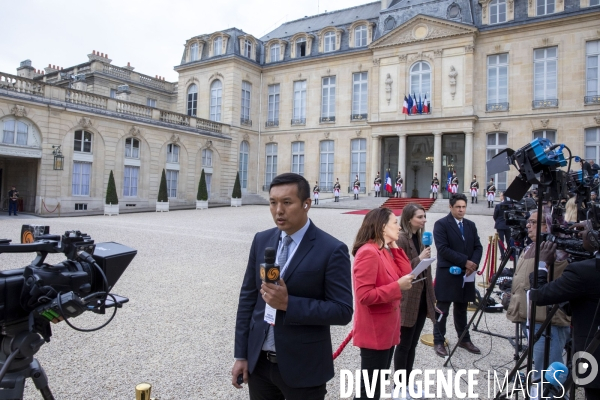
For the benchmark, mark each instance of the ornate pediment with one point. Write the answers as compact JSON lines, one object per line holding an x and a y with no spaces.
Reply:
{"x":422,"y":28}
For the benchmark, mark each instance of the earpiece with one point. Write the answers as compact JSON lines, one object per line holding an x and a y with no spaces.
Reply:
{"x":306,"y":205}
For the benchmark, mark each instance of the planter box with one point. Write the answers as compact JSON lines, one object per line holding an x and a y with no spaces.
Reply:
{"x":236,"y":202}
{"x":111,"y":209}
{"x":162,"y":206}
{"x":201,"y":204}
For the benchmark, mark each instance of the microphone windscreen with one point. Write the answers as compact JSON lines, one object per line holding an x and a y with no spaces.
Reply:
{"x":427,"y":238}
{"x":556,"y":374}
{"x":270,"y":253}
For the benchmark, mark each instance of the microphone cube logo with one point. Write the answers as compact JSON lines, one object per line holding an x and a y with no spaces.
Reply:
{"x":585,"y":368}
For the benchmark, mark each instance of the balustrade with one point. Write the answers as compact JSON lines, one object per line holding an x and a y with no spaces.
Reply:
{"x":21,"y":85}
{"x":85,"y":98}
{"x":117,"y":71}
{"x":134,"y":109}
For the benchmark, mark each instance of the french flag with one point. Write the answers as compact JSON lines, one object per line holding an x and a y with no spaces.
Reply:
{"x":410,"y":105}
{"x":388,"y":182}
{"x":414,"y":109}
{"x":405,"y":106}
{"x":420,"y":105}
{"x":425,"y":106}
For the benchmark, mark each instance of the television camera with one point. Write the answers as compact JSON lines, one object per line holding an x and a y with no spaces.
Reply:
{"x":38,"y":294}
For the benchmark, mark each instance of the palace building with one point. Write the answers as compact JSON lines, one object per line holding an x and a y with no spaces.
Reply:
{"x":327,"y":96}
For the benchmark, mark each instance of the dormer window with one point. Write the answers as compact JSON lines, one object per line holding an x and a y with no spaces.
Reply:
{"x":218,"y":46}
{"x":247,"y":48}
{"x":275,"y":52}
{"x":360,"y":36}
{"x":194,"y":52}
{"x":301,"y":47}
{"x":360,"y":33}
{"x":329,"y":42}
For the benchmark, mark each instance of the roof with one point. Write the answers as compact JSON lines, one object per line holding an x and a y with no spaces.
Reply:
{"x":320,"y":21}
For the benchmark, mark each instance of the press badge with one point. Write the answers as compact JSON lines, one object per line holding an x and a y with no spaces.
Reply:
{"x":270,"y":314}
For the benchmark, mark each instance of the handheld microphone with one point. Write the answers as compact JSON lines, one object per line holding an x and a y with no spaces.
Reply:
{"x":454,"y":270}
{"x":427,"y":239}
{"x":556,"y":375}
{"x":269,"y":271}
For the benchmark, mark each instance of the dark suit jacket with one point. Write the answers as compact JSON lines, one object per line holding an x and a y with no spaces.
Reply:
{"x":579,"y":284}
{"x":499,"y":216}
{"x":452,"y":250}
{"x":318,"y":281}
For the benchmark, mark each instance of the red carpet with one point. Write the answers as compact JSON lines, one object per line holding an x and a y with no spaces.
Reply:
{"x":397,"y":204}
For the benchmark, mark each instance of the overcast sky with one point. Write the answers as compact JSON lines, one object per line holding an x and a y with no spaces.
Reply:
{"x":149,"y":34}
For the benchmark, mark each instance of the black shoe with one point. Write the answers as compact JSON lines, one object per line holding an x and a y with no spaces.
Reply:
{"x":440,"y":350}
{"x":470,"y":347}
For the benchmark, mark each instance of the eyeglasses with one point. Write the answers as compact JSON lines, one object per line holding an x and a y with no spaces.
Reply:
{"x":533,"y":222}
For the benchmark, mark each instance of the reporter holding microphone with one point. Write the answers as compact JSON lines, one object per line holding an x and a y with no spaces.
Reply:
{"x":418,"y":303}
{"x":381,"y":271}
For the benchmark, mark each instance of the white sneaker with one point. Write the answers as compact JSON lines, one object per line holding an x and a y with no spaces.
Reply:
{"x":419,"y":393}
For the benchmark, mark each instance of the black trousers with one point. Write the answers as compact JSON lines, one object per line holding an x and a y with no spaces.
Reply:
{"x":460,"y":321}
{"x":371,"y":360}
{"x":504,"y":235}
{"x":592,"y":394}
{"x":404,"y":355}
{"x":265,"y":383}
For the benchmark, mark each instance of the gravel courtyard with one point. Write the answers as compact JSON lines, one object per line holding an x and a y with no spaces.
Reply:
{"x":177,"y":330}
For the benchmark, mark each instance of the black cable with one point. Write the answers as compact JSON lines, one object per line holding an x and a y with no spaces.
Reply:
{"x":7,"y":363}
{"x":91,"y":329}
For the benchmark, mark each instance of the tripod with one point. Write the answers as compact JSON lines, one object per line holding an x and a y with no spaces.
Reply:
{"x":512,"y":252}
{"x":18,"y":364}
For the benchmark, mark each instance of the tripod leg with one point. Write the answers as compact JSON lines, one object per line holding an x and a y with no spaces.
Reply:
{"x":40,"y":379}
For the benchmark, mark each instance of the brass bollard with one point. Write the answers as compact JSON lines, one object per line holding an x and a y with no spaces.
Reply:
{"x":142,"y":391}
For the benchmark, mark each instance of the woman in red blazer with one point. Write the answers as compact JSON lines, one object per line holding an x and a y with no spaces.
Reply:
{"x":381,"y":271}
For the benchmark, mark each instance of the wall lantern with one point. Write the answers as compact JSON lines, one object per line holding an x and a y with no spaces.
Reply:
{"x":59,"y":159}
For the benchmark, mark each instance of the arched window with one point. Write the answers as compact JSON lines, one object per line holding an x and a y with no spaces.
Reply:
{"x":207,"y":157}
{"x":15,"y":132}
{"x":298,"y":158}
{"x":82,"y":142}
{"x":216,"y":93}
{"x":329,"y":42}
{"x":497,"y":11}
{"x":360,"y":36}
{"x":173,"y":153}
{"x":271,"y":163}
{"x":358,"y":162}
{"x":192,"y":100}
{"x":247,"y":48}
{"x":194,"y":52}
{"x":132,"y":148}
{"x":420,"y":79}
{"x":243,"y":164}
{"x":546,"y":134}
{"x":301,"y":47}
{"x":218,"y":46}
{"x":275,"y":52}
{"x":326,"y":166}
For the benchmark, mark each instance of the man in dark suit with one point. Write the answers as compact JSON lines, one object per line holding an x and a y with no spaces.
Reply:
{"x":500,"y":223}
{"x":292,"y":359}
{"x":458,"y":245}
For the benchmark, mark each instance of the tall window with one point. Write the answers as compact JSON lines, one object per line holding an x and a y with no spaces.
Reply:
{"x":544,"y":7}
{"x":130,"y":181}
{"x":132,"y":148}
{"x":207,"y":158}
{"x":497,"y":84}
{"x":594,"y":3}
{"x":151,"y":102}
{"x":592,"y":144}
{"x":299,"y":116}
{"x":208,"y":178}
{"x":9,"y":132}
{"x":81,"y":178}
{"x":497,"y":11}
{"x":246,"y":91}
{"x":82,"y":142}
{"x":420,"y":79}
{"x":216,"y":93}
{"x":328,"y":99}
{"x":243,"y":164}
{"x":359,"y":95}
{"x":592,"y":87}
{"x":298,"y":158}
{"x":172,"y":153}
{"x":546,"y":134}
{"x":496,"y":142}
{"x":273,"y":113}
{"x":545,"y":70}
{"x":194,"y":52}
{"x":218,"y":46}
{"x":358,"y":161}
{"x":360,"y":36}
{"x":329,"y":44}
{"x":326,"y":166}
{"x":271,"y":163}
{"x":113,"y":93}
{"x":275,"y":52}
{"x":192,"y":100}
{"x":301,"y":47}
{"x":172,"y":177}
{"x":247,"y":48}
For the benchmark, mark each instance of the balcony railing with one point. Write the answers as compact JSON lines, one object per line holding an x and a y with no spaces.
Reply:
{"x":246,"y":121}
{"x":21,"y":85}
{"x":548,"y":103}
{"x":326,"y":189}
{"x":325,"y":120}
{"x":138,"y":110}
{"x":491,"y":107}
{"x":359,"y":117}
{"x":117,"y":71}
{"x":85,"y":99}
{"x":299,"y":121}
{"x":592,"y":99}
{"x":271,"y":123}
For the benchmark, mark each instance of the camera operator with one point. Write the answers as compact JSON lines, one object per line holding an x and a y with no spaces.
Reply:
{"x":517,"y":308}
{"x":499,"y":222}
{"x":580,"y":286}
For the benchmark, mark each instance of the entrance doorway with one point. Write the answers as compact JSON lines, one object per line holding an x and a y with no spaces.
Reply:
{"x":453,"y":159}
{"x":419,"y":166}
{"x":22,"y":174}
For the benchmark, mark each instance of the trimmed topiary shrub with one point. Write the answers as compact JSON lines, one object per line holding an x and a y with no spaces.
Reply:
{"x":202,"y":191}
{"x":162,"y":189}
{"x":237,"y":188}
{"x":111,"y":191}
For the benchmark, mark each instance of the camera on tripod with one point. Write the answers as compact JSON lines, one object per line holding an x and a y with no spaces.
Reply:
{"x":39,"y":293}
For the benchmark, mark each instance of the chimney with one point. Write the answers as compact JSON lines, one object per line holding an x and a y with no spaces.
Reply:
{"x":385,"y":4}
{"x":25,"y":70}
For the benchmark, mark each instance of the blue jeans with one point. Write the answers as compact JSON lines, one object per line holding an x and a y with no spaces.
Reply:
{"x":12,"y":207}
{"x":558,"y":338}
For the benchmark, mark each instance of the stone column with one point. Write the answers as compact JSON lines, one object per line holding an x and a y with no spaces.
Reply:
{"x":468,"y":80}
{"x":468,"y":162}
{"x":437,"y":155}
{"x":437,"y":83}
{"x":375,"y":154}
{"x":402,"y":160}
